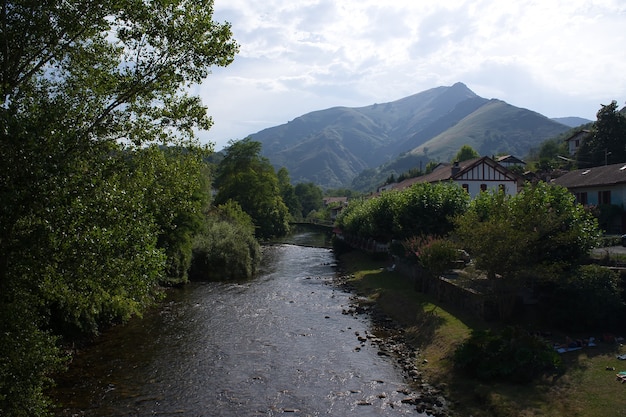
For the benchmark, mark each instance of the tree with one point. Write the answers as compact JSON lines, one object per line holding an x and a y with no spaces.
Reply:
{"x":423,"y":209}
{"x":84,"y":87}
{"x":541,"y":233}
{"x":288,"y":194}
{"x":310,"y":197}
{"x":226,"y":248}
{"x":176,"y":194}
{"x":606,"y":144}
{"x":465,"y":153}
{"x":249,"y":179}
{"x":428,"y":209}
{"x":587,"y":299}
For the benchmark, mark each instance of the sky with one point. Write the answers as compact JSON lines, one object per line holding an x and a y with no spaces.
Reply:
{"x":558,"y":58}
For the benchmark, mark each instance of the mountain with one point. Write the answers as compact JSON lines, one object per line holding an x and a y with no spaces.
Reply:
{"x":572,"y":121}
{"x":332,"y":147}
{"x":494,"y":128}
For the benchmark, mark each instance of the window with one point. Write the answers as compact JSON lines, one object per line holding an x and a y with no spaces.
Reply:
{"x":465,"y":187}
{"x":483,"y":187}
{"x":604,"y":197}
{"x":581,"y":198}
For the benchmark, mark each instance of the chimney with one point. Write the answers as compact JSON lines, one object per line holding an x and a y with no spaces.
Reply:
{"x":455,"y":168}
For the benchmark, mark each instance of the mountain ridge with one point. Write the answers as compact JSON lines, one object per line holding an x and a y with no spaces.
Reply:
{"x":332,"y":147}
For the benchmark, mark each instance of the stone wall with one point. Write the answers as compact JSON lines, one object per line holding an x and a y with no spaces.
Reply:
{"x":446,"y":290}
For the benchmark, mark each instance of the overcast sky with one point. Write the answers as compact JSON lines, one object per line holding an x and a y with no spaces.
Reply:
{"x":559,"y":58}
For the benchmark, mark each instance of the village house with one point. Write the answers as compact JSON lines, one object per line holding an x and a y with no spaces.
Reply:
{"x":509,"y":161}
{"x":336,"y":204}
{"x":597,"y":186}
{"x":474,"y":176}
{"x":574,"y":141}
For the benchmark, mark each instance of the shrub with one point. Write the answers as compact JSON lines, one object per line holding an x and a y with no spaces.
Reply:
{"x":225,"y":251}
{"x":513,"y":355}
{"x":28,"y":356}
{"x":434,"y":254}
{"x":587,"y":298}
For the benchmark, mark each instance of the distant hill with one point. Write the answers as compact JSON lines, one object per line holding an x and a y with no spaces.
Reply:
{"x":572,"y":121}
{"x":494,"y":128}
{"x":332,"y":147}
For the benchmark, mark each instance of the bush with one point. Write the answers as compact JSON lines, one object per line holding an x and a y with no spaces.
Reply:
{"x":28,"y":356}
{"x":225,"y":251}
{"x":513,"y":355}
{"x":434,"y":254}
{"x":587,"y":298}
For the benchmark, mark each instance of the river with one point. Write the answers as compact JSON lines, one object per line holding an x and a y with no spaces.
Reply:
{"x":280,"y":343}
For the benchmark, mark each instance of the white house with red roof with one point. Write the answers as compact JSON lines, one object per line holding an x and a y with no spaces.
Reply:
{"x":474,"y":176}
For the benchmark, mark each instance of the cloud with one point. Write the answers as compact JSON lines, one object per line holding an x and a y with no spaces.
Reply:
{"x":561,"y":58}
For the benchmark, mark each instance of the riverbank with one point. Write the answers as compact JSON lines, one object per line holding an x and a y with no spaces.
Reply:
{"x":426,"y":334}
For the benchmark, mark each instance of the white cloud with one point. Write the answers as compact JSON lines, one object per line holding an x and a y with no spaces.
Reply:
{"x":560,"y":58}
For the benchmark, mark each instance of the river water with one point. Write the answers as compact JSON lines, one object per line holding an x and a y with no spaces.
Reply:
{"x":280,"y":343}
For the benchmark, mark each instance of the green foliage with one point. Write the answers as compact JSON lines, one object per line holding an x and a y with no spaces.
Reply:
{"x":541,"y":227}
{"x":513,"y":355}
{"x":429,"y":209}
{"x":232,"y":212}
{"x":92,"y":217}
{"x":310,"y":197}
{"x":430,"y":166}
{"x":586,"y":299}
{"x":249,"y":179}
{"x":288,"y":194}
{"x":176,"y":192}
{"x":342,"y":192}
{"x":225,"y":251}
{"x":28,"y":356}
{"x":436,"y":255}
{"x":411,"y":173}
{"x":422,"y":209}
{"x":465,"y":154}
{"x":606,"y":144}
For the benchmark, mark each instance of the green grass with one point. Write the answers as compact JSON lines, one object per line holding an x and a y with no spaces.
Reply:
{"x":585,"y":389}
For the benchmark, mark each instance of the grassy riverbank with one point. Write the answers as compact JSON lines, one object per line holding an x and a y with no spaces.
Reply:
{"x":586,"y":388}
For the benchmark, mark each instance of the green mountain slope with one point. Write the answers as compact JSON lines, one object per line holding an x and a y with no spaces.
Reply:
{"x":494,"y":128}
{"x":334,"y":146}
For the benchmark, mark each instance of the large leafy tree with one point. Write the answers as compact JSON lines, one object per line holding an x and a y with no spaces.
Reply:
{"x":249,"y":179}
{"x":536,"y":237}
{"x":310,"y":197}
{"x":540,"y":229}
{"x":607,"y":142}
{"x":465,"y":153}
{"x":288,"y":193}
{"x":84,"y":86}
{"x":176,"y":192}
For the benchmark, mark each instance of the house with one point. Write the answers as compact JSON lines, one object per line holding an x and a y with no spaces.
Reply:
{"x":574,"y":141}
{"x":509,"y":161}
{"x":599,"y":186}
{"x":474,"y":176}
{"x":336,"y":205}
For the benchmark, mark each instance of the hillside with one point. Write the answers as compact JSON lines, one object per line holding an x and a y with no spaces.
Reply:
{"x":572,"y":121}
{"x":494,"y":128}
{"x":332,"y":147}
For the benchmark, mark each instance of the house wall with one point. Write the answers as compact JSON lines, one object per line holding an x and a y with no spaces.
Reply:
{"x":573,"y":146}
{"x":487,"y":177}
{"x":474,"y":186}
{"x":618,"y":194}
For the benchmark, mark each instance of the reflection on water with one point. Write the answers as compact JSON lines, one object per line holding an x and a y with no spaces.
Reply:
{"x":276,"y":344}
